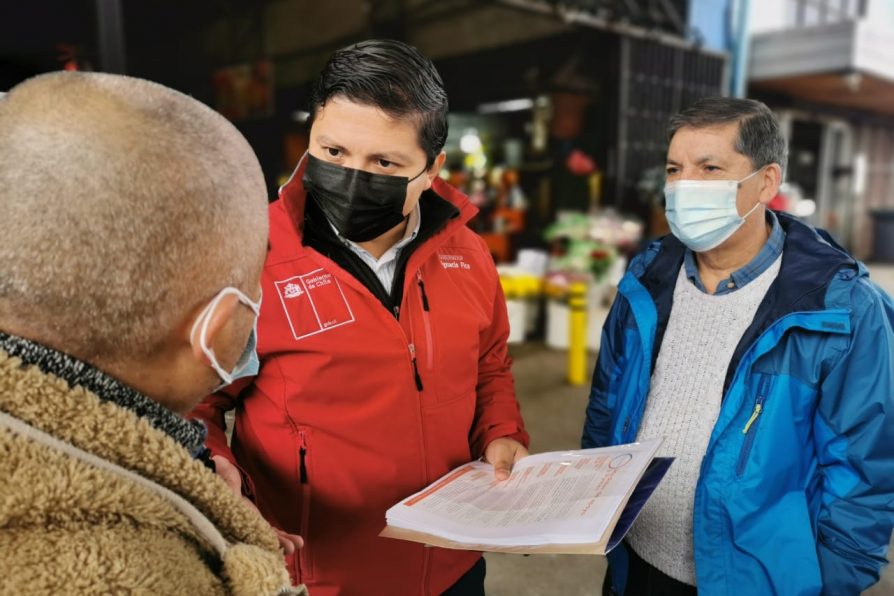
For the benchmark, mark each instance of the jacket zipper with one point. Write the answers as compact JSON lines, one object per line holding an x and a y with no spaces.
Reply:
{"x":758,"y":408}
{"x":302,"y":454}
{"x":412,"y":347}
{"x":416,"y":376}
{"x":305,"y":570}
{"x":426,"y":319}
{"x":458,"y":222}
{"x":426,"y":553}
{"x":750,"y":429}
{"x":425,"y":306}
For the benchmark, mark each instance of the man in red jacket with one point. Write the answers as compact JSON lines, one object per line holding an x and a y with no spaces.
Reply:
{"x":382,"y":338}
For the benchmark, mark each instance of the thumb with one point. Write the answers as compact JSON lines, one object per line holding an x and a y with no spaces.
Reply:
{"x":500,"y":457}
{"x":502,"y":469}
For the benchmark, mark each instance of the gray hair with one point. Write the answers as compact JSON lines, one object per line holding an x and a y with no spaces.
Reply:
{"x":760,"y":138}
{"x":126,"y":206}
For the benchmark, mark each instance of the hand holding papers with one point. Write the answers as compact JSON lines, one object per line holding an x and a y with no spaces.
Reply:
{"x":580,"y":501}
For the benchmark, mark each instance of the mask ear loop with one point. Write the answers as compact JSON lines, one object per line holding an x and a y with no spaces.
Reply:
{"x":739,"y":185}
{"x":424,"y":170}
{"x":205,"y":318}
{"x":749,"y":176}
{"x":752,"y":210}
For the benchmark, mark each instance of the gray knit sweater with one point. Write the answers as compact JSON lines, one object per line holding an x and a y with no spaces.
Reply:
{"x":683,"y":404}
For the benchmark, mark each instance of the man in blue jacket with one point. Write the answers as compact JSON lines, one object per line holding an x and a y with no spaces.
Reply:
{"x":764,"y":356}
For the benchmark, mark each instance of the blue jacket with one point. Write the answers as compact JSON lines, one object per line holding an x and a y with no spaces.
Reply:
{"x":803,"y":502}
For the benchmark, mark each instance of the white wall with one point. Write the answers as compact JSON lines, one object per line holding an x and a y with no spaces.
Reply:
{"x":771,"y":15}
{"x":881,"y":12}
{"x":767,"y":15}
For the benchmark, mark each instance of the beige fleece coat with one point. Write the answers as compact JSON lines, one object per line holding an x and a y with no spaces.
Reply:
{"x":93,"y":500}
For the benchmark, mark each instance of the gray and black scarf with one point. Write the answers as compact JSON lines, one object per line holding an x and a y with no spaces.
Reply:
{"x":189,"y":433}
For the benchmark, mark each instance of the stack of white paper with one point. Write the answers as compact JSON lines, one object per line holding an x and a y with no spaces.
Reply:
{"x":553,"y":502}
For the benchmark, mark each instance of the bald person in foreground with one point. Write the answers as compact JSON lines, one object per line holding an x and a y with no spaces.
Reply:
{"x":132,"y":237}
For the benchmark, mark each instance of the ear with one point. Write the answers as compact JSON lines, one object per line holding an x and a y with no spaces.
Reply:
{"x":435,"y":169}
{"x":219,"y":318}
{"x":771,"y":179}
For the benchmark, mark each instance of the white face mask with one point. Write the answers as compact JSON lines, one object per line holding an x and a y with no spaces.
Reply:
{"x":248,"y":364}
{"x":702,"y":213}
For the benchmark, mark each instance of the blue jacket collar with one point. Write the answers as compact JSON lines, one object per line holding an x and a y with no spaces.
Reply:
{"x":810,"y":261}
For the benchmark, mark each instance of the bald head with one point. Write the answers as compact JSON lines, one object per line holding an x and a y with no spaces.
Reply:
{"x":125,"y":206}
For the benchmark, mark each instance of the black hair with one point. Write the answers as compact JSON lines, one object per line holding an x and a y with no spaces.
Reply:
{"x":760,"y":138}
{"x":394,"y":77}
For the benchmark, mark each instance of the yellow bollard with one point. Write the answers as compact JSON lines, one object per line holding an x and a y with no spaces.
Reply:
{"x":577,"y":333}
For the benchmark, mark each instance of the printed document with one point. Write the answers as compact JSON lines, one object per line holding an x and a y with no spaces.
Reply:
{"x":580,"y":501}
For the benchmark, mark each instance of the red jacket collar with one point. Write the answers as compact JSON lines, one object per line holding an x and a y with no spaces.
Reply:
{"x":294,"y":198}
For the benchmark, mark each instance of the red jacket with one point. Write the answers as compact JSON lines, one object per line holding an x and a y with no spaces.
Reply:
{"x":334,"y":430}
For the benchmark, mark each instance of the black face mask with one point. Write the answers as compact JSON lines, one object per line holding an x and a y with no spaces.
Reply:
{"x":360,"y":205}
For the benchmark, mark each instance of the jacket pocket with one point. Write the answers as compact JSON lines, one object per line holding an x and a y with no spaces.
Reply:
{"x":426,"y":323}
{"x":303,"y":559}
{"x":451,"y":331}
{"x":752,"y":424}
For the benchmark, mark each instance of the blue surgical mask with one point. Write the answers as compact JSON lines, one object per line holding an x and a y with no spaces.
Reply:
{"x":248,"y":364}
{"x":702,"y":213}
